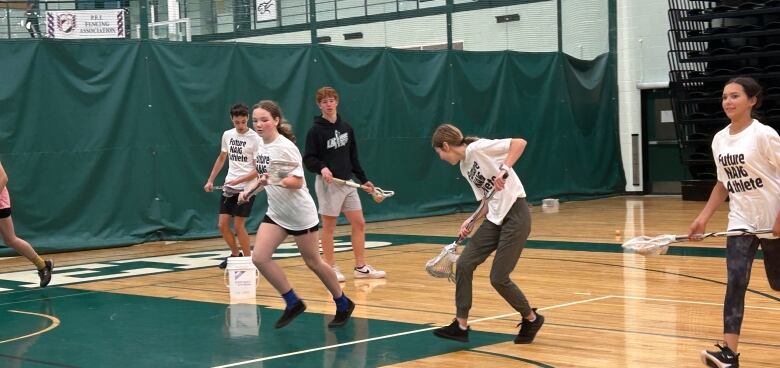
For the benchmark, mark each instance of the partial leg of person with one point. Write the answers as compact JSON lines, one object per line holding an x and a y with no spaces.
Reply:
{"x":227,"y":235}
{"x":480,"y":246}
{"x":24,"y":248}
{"x":330,"y":198}
{"x":328,"y":247}
{"x":268,"y":238}
{"x":239,"y":223}
{"x":362,"y":270}
{"x":740,"y":252}
{"x":771,"y":249}
{"x":307,"y":245}
{"x":514,"y":233}
{"x":358,"y":235}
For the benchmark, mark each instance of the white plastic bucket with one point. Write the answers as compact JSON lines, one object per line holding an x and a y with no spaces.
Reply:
{"x":241,"y":277}
{"x":550,"y":205}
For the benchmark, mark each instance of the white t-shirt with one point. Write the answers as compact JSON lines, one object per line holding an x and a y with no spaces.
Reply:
{"x":292,"y":209}
{"x":241,"y":150}
{"x":748,"y":165}
{"x":481,"y":166}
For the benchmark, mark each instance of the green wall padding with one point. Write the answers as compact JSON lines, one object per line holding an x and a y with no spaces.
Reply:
{"x":110,"y":142}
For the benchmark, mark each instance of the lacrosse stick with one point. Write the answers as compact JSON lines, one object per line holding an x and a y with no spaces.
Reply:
{"x":441,"y":266}
{"x":378,"y":193}
{"x":277,"y":171}
{"x":227,"y":191}
{"x":659,"y":245}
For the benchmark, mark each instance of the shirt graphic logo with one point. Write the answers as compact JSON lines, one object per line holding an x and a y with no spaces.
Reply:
{"x":339,"y":140}
{"x":483,"y":183}
{"x":738,"y":178}
{"x":237,"y":150}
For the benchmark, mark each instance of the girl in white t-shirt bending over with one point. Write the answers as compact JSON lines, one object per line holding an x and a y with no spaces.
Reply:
{"x":747,"y":158}
{"x":487,"y":166}
{"x":291,"y":211}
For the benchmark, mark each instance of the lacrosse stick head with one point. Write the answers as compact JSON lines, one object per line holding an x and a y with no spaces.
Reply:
{"x":380,"y":194}
{"x":280,"y":169}
{"x":228,"y":191}
{"x":441,"y":266}
{"x":648,"y":246}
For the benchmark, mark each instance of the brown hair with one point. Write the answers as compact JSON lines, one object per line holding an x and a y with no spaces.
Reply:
{"x":284,"y":127}
{"x":448,"y":133}
{"x":326,"y":92}
{"x":751,"y":88}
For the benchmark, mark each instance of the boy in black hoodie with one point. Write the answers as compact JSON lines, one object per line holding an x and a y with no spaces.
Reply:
{"x":331,"y":152}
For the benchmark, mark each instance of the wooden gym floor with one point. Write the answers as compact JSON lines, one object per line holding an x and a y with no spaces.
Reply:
{"x":166,"y":304}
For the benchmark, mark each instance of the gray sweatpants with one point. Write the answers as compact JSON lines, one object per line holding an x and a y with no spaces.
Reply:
{"x":507,"y":240}
{"x":740,"y":251}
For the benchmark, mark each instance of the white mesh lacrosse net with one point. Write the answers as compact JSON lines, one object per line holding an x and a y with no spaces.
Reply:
{"x":648,"y":246}
{"x":280,"y":169}
{"x":441,"y":266}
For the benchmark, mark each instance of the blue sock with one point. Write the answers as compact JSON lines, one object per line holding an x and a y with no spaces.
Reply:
{"x":290,"y":298}
{"x":342,"y":303}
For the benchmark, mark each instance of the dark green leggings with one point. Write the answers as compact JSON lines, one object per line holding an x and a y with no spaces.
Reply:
{"x":507,"y":240}
{"x":740,"y":251}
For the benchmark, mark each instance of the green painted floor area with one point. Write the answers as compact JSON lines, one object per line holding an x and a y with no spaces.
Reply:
{"x":104,"y":329}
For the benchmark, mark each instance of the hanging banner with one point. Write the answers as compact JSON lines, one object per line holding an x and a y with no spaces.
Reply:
{"x":86,"y":23}
{"x":265,"y":10}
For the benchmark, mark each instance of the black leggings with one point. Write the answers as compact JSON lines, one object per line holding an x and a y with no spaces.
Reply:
{"x":740,"y":251}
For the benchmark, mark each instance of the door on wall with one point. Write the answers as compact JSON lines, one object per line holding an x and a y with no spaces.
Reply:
{"x":663,"y":167}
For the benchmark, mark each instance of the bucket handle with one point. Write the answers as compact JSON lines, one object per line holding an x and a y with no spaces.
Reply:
{"x":225,"y":277}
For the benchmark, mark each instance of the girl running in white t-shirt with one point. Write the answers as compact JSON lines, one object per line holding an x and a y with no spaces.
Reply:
{"x":291,"y":211}
{"x":747,"y":157}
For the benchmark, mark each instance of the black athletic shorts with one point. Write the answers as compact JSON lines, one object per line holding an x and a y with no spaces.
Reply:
{"x":313,"y":229}
{"x":230,"y":206}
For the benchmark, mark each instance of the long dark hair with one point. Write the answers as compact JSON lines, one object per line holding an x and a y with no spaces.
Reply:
{"x":284,"y":128}
{"x":752,"y":89}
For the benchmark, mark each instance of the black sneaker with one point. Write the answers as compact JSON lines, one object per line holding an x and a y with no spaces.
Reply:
{"x":453,"y":332}
{"x":341,"y":317}
{"x":725,"y":358}
{"x":223,"y":265}
{"x":290,"y":314}
{"x":529,"y":329}
{"x":45,"y":272}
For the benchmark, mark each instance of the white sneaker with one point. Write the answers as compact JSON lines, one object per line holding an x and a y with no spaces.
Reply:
{"x":368,"y":272}
{"x":339,"y":275}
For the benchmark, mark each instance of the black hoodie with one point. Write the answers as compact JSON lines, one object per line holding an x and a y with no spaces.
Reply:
{"x":333,"y":145}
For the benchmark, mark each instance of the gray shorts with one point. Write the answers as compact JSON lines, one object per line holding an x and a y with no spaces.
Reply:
{"x":335,"y":198}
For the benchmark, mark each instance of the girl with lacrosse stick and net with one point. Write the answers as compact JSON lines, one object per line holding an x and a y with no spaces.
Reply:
{"x":16,"y":243}
{"x":485,"y":163}
{"x":747,"y":157}
{"x":291,"y":211}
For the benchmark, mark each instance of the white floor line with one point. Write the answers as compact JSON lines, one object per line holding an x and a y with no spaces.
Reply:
{"x":542,"y":309}
{"x":687,"y":302}
{"x":391,"y":336}
{"x":54,"y":323}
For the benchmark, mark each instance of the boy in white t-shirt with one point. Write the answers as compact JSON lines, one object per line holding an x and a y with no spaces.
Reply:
{"x":291,"y":212}
{"x":239,"y":147}
{"x":747,"y":157}
{"x":487,"y":166}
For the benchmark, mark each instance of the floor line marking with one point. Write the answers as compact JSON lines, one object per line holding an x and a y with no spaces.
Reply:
{"x":236,"y":364}
{"x":54,"y":323}
{"x":686,"y":302}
